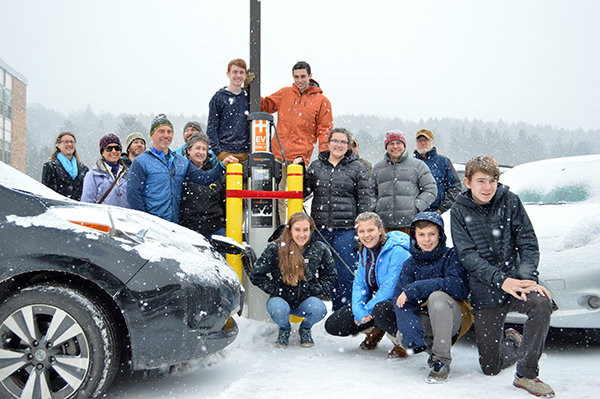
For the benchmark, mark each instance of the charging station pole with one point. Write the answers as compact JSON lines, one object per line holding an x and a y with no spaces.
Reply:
{"x":260,"y":220}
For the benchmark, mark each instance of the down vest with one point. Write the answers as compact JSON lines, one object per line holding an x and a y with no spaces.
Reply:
{"x":302,"y":118}
{"x":402,"y":189}
{"x":155,"y":187}
{"x":341,"y":192}
{"x":494,"y":246}
{"x":319,"y":274}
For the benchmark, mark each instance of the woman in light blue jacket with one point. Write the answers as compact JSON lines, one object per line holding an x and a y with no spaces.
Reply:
{"x":99,"y":183}
{"x":379,"y":265}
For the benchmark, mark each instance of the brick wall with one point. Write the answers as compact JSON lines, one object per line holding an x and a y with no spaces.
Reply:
{"x":19,"y":131}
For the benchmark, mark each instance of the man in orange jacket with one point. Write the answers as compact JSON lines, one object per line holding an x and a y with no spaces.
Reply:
{"x":303,"y":117}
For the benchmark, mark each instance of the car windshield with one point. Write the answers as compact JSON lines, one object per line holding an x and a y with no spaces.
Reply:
{"x":556,"y":181}
{"x":565,"y":194}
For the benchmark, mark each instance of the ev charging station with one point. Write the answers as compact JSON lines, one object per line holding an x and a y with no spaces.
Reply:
{"x":259,"y":220}
{"x":263,"y":173}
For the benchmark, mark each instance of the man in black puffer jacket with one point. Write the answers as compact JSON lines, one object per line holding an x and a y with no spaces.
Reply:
{"x":496,"y":244}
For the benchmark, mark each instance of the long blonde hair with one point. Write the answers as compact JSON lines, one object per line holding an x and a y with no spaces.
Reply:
{"x":291,"y":261}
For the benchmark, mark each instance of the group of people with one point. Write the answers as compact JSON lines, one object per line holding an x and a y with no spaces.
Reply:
{"x":155,"y":180}
{"x":399,"y":277}
{"x":420,"y":292}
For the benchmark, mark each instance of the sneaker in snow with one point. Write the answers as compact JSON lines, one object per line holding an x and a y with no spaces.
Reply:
{"x":306,"y":340}
{"x":534,"y":386}
{"x":439,"y":373}
{"x":283,"y":339}
{"x":514,"y":334}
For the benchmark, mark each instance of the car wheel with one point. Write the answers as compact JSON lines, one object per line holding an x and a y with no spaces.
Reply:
{"x":56,"y":343}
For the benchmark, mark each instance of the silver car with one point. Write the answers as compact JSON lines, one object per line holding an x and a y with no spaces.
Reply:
{"x":562,"y":199}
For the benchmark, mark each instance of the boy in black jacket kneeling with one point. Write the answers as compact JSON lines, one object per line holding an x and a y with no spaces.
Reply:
{"x":496,"y":244}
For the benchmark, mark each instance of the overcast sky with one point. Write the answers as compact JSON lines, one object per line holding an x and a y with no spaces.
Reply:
{"x":531,"y":61}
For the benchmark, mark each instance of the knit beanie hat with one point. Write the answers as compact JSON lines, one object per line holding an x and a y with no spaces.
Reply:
{"x":108,"y":139}
{"x":394,"y":135}
{"x":195,"y":125}
{"x":160,"y":120}
{"x":131,"y":137}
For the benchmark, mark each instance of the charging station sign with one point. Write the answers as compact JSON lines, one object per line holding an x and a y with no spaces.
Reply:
{"x":261,"y":135}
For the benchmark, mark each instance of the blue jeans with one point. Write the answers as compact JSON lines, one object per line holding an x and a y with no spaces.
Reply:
{"x":312,"y":309}
{"x":342,"y":241}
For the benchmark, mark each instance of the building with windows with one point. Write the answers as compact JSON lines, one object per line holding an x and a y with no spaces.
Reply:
{"x":13,"y":107}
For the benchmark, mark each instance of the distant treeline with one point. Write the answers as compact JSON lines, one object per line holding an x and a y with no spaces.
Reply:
{"x":459,"y":139}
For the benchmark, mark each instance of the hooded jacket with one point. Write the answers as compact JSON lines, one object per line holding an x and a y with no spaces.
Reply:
{"x":387,"y":270}
{"x":402,"y":189}
{"x":341,"y":192}
{"x":227,"y":126}
{"x":423,"y":274}
{"x":494,"y":245}
{"x":302,"y":118}
{"x":155,"y":187}
{"x":319,"y":274}
{"x":56,"y":177}
{"x":97,"y":182}
{"x":447,"y":180}
{"x":426,"y":272}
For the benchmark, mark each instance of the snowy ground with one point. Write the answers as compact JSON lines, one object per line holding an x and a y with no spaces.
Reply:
{"x":336,"y":368}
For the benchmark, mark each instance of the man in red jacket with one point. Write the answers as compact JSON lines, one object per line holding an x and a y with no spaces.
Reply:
{"x":303,"y":117}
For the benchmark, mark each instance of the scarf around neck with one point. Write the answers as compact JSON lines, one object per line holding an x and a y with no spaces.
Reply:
{"x":70,"y":166}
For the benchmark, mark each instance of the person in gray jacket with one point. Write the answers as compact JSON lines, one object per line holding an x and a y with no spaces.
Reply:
{"x":402,"y":185}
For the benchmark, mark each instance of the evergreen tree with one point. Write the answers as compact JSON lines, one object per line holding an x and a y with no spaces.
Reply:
{"x":129,"y":124}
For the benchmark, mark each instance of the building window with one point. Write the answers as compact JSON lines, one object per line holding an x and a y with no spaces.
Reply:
{"x":6,"y":152}
{"x":1,"y":98}
{"x":8,"y":104}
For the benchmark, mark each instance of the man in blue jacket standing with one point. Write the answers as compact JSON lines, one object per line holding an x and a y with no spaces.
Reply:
{"x":156,"y":176}
{"x":447,"y":180}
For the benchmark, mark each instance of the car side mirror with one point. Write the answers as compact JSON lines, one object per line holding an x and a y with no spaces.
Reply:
{"x":226,"y":245}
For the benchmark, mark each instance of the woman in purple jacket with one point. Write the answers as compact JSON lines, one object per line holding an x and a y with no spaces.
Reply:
{"x":99,"y":185}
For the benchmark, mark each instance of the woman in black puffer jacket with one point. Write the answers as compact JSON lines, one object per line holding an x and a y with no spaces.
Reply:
{"x":300,"y":269}
{"x":64,"y":172}
{"x":341,"y":190}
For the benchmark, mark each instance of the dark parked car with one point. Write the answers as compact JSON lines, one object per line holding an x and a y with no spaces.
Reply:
{"x":86,"y":287}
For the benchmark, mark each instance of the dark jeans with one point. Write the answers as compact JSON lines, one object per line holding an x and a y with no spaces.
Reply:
{"x":341,"y":322}
{"x":342,"y":241}
{"x":496,"y":352}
